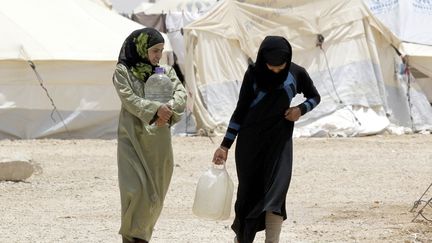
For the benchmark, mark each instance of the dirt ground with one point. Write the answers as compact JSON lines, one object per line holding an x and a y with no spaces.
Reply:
{"x":342,"y":190}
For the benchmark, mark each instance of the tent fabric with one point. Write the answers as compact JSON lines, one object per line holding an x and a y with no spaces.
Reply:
{"x":167,"y":6}
{"x":56,"y":36}
{"x":156,"y":21}
{"x":420,"y":57}
{"x":175,"y":21}
{"x":142,"y":7}
{"x":74,"y":46}
{"x":354,"y":71}
{"x":409,"y":20}
{"x":175,"y":15}
{"x":104,"y":3}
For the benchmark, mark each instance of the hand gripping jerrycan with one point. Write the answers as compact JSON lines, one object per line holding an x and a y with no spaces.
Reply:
{"x":159,"y":87}
{"x":214,"y":194}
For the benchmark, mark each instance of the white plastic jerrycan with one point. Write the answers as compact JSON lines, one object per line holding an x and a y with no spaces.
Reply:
{"x":214,"y":194}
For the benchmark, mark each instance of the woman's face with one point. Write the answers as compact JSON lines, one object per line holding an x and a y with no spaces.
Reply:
{"x":155,"y":53}
{"x":276,"y":69}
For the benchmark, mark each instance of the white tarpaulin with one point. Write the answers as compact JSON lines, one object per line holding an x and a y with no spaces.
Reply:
{"x":178,"y":14}
{"x":74,"y":45}
{"x":175,"y":21}
{"x":410,"y":21}
{"x":142,"y":7}
{"x":166,"y":6}
{"x":355,"y":72}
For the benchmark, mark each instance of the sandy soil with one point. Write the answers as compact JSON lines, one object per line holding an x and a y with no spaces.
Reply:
{"x":343,"y":190}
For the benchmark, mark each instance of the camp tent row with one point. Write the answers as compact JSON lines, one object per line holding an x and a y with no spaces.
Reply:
{"x":358,"y":71}
{"x":74,"y":46}
{"x":166,"y":6}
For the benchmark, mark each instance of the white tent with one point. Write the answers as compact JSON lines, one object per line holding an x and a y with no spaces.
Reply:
{"x":74,"y":46}
{"x":355,"y":72}
{"x":104,"y":3}
{"x":410,"y":21}
{"x":142,"y":7}
{"x":166,"y":6}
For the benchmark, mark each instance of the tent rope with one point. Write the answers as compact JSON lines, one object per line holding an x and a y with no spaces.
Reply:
{"x":418,"y":202}
{"x":320,"y":41}
{"x":54,"y":110}
{"x":408,"y":94}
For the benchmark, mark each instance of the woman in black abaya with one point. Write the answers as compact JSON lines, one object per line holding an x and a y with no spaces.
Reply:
{"x":263,"y":123}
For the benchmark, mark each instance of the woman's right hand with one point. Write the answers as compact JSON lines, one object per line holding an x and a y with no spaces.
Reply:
{"x":160,"y":122}
{"x":293,"y":113}
{"x":220,"y":155}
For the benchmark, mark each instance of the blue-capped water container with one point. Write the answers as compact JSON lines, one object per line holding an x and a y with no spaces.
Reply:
{"x":159,"y":87}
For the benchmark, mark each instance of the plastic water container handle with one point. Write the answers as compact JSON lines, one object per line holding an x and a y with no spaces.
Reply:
{"x":220,"y":167}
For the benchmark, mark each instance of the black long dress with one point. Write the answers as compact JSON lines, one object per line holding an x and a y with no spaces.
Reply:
{"x":263,"y":152}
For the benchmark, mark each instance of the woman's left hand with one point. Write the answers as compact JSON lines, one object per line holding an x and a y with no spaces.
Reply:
{"x":292,"y":114}
{"x":160,"y":122}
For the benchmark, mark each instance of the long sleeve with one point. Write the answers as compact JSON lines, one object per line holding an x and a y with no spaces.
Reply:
{"x":144,"y":109}
{"x":178,"y":101}
{"x":246,"y":97}
{"x":305,"y":85}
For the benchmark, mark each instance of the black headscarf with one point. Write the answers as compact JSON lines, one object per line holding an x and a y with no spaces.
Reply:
{"x":134,"y":51}
{"x":274,"y":50}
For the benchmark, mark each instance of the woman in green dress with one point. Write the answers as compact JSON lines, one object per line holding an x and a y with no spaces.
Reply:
{"x":144,"y":153}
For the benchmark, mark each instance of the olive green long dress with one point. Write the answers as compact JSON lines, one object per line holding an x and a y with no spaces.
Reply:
{"x":144,"y":156}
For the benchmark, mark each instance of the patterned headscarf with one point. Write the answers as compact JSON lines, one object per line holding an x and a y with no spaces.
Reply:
{"x":134,"y":51}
